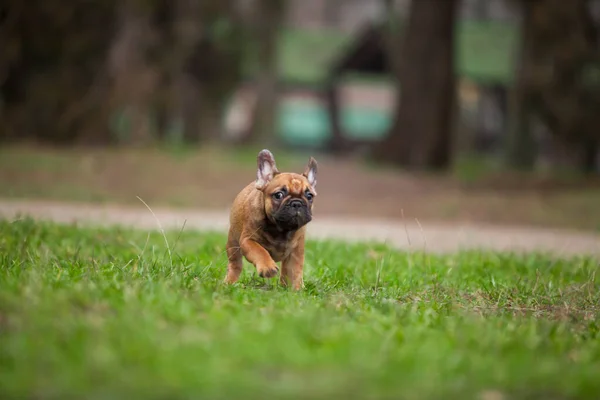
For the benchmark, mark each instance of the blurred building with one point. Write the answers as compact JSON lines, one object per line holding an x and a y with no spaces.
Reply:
{"x":320,"y":35}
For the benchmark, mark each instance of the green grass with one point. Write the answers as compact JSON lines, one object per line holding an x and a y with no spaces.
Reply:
{"x":109,"y":313}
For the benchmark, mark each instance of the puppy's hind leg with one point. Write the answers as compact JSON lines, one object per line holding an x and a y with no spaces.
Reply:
{"x":234,"y":266}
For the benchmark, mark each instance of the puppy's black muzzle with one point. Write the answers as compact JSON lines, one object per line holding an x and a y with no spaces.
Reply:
{"x":293,"y":215}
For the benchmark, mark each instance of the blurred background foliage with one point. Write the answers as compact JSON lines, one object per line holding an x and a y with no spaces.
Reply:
{"x":414,"y":84}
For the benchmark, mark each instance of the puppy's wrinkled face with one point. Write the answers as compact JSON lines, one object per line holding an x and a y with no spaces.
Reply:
{"x":288,"y":196}
{"x":289,"y":200}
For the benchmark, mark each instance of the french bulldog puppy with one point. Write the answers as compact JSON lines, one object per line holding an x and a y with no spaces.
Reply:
{"x":268,"y":222}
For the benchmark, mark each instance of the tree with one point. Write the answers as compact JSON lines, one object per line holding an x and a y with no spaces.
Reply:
{"x":520,"y":144}
{"x":53,"y":77}
{"x":133,"y":79}
{"x":210,"y":61}
{"x":421,"y":132}
{"x":266,"y":25}
{"x":66,"y":70}
{"x":557,"y":81}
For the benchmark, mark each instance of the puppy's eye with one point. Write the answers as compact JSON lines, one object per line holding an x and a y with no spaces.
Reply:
{"x":278,"y":195}
{"x":309,"y":195}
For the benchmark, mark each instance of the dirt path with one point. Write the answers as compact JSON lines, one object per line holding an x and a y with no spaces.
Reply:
{"x":209,"y":178}
{"x":433,"y":237}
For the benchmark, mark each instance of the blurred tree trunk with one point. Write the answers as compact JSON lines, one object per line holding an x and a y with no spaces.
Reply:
{"x":162,"y":105}
{"x":337,"y":144}
{"x":206,"y":65}
{"x":188,"y":31}
{"x":190,"y":109}
{"x":589,"y":158}
{"x":163,"y":25}
{"x":52,"y":87}
{"x":133,"y":79}
{"x":267,"y":22}
{"x":555,"y":80}
{"x":64,"y":69}
{"x":13,"y":72}
{"x":392,"y":35}
{"x":420,"y":136}
{"x":520,"y":144}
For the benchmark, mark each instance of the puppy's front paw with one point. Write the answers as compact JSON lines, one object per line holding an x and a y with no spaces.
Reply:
{"x":267,"y":271}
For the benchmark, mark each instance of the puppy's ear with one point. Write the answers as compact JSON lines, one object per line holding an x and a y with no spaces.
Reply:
{"x":311,"y":172}
{"x":266,"y":169}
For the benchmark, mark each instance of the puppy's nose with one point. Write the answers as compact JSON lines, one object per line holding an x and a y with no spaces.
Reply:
{"x":296,"y":203}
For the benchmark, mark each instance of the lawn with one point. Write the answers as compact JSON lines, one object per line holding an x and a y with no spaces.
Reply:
{"x":115,"y":313}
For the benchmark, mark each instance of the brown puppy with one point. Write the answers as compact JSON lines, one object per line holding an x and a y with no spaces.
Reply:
{"x":268,"y":220}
